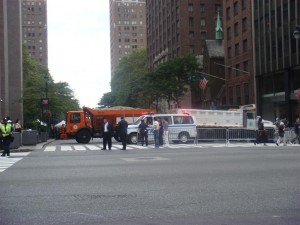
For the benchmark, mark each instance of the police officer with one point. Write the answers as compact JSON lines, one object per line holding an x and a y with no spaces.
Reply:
{"x":6,"y":133}
{"x":122,"y":128}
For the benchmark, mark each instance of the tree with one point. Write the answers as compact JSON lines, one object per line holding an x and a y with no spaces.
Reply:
{"x":61,"y":98}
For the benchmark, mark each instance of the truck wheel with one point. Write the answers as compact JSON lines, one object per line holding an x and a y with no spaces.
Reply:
{"x":132,"y":139}
{"x":83,"y":137}
{"x":184,"y":137}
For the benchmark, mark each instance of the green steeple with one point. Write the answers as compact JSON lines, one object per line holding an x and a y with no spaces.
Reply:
{"x":219,"y":31}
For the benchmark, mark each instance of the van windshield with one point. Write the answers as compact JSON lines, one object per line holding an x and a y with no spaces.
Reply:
{"x":137,"y":122}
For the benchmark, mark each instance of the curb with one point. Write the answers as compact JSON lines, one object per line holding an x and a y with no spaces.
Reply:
{"x":30,"y":148}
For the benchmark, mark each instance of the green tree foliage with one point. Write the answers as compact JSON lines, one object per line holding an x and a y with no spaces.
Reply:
{"x":132,"y":85}
{"x":61,"y":98}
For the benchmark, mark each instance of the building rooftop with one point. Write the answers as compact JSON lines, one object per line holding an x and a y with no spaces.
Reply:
{"x":215,"y":48}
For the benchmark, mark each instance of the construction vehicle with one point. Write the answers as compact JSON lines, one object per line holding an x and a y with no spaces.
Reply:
{"x":244,"y":117}
{"x":87,"y":124}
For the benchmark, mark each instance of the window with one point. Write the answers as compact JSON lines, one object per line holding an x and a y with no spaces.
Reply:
{"x":202,"y":22}
{"x":203,"y":35}
{"x":244,"y":24}
{"x":229,"y":73}
{"x":237,"y":49}
{"x":75,"y":118}
{"x":183,"y":120}
{"x":236,"y":29}
{"x":230,"y":95}
{"x":202,"y":8}
{"x":237,"y":66}
{"x":192,"y":35}
{"x":238,"y":95}
{"x":229,"y":53}
{"x":228,"y":33}
{"x":191,"y":21}
{"x":245,"y":45}
{"x":235,"y":8}
{"x":190,"y":7}
{"x":246,"y":93}
{"x":244,"y":4}
{"x":228,"y":13}
{"x":246,"y":66}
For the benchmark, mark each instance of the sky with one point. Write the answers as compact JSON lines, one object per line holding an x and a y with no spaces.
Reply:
{"x":79,"y":47}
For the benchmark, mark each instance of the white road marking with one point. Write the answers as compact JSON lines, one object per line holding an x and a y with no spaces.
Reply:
{"x":8,"y":162}
{"x":50,"y":149}
{"x":66,"y":148}
{"x":79,"y":148}
{"x":92,"y":147}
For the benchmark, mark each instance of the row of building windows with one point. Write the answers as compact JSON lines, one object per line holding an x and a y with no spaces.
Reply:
{"x":238,"y":71}
{"x":130,"y":34}
{"x":235,"y":8}
{"x":127,"y":22}
{"x":238,"y":95}
{"x":236,"y":29}
{"x":32,"y":47}
{"x":128,"y":16}
{"x":128,"y":40}
{"x":237,"y":49}
{"x":218,"y":8}
{"x":133,"y":28}
{"x":33,"y":3}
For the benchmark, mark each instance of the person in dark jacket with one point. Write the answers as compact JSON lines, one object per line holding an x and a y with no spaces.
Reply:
{"x":261,"y":133}
{"x":143,"y":132}
{"x":122,"y":128}
{"x":296,"y":131}
{"x":108,"y":132}
{"x":281,"y":134}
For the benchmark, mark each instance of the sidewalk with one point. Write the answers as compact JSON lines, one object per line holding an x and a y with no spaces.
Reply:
{"x":29,"y":148}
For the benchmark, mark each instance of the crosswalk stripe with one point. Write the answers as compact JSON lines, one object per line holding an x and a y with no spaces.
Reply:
{"x":50,"y":149}
{"x":66,"y":148}
{"x":92,"y":147}
{"x":8,"y":162}
{"x":79,"y":147}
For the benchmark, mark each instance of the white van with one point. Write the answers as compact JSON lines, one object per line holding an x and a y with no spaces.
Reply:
{"x":182,"y":127}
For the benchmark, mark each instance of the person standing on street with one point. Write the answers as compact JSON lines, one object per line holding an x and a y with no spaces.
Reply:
{"x":166,"y":132}
{"x":143,"y":132}
{"x":281,"y":134}
{"x":6,"y":133}
{"x":108,"y":131}
{"x":156,"y":132}
{"x":122,"y":128}
{"x":296,"y":131}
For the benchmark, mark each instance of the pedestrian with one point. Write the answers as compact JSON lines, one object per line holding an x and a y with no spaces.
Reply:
{"x":161,"y":132}
{"x":166,"y":132}
{"x":156,"y":132}
{"x":280,"y":134}
{"x":107,"y":131}
{"x":18,"y":127}
{"x":143,"y":132}
{"x":122,"y":128}
{"x":261,"y":133}
{"x":6,"y":135}
{"x":296,"y":131}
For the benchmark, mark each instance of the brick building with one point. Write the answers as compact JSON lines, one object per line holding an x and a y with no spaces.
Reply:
{"x":34,"y":26}
{"x":127,"y":28}
{"x":11,"y":81}
{"x":239,"y":75}
{"x":179,"y":27}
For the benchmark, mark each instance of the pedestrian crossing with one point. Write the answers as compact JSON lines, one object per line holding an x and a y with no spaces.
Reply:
{"x":6,"y":162}
{"x":97,"y":147}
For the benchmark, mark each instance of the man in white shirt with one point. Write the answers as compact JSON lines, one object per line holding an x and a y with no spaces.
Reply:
{"x":156,"y":132}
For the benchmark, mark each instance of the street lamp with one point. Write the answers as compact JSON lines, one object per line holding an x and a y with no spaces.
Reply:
{"x":296,"y":32}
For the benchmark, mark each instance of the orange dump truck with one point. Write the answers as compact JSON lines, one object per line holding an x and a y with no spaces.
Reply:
{"x":85,"y":125}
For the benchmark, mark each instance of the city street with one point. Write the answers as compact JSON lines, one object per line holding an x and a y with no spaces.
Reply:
{"x":184,"y":184}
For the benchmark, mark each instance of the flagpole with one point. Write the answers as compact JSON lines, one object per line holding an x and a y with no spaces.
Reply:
{"x":232,"y":68}
{"x":207,"y":74}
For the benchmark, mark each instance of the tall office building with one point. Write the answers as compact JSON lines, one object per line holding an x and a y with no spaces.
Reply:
{"x":238,"y":52}
{"x":276,"y":58}
{"x":11,"y":76}
{"x":127,"y":28}
{"x":179,"y":27}
{"x":34,"y":25}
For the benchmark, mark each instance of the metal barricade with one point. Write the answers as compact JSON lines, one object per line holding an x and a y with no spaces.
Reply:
{"x":241,"y":134}
{"x":211,"y":134}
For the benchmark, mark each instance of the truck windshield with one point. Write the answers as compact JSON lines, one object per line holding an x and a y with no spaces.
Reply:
{"x":139,"y":120}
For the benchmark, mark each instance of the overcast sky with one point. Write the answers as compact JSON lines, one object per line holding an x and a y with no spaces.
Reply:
{"x":79,"y":47}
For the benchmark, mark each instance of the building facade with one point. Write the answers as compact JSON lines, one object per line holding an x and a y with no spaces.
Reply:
{"x":180,"y":27}
{"x":34,"y":26}
{"x":11,"y":75}
{"x":127,"y":28}
{"x":276,"y":58}
{"x":240,"y":89}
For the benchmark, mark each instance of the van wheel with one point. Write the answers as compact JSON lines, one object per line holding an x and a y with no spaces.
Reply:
{"x":83,"y":137}
{"x":132,"y":139}
{"x":184,"y":137}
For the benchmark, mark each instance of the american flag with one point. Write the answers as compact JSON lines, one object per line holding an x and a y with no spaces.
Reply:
{"x":203,"y":82}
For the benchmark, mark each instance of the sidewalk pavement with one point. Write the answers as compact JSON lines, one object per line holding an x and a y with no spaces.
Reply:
{"x":29,"y":148}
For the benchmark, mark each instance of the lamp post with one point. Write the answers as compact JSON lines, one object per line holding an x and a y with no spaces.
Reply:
{"x":296,"y":32}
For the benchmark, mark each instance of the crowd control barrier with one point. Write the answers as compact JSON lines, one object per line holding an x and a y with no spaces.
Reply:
{"x":230,"y":134}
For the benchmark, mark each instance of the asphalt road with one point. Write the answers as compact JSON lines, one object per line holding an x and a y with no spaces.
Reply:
{"x":215,"y":186}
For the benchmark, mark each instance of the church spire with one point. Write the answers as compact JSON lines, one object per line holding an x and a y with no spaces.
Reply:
{"x":219,"y":30}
